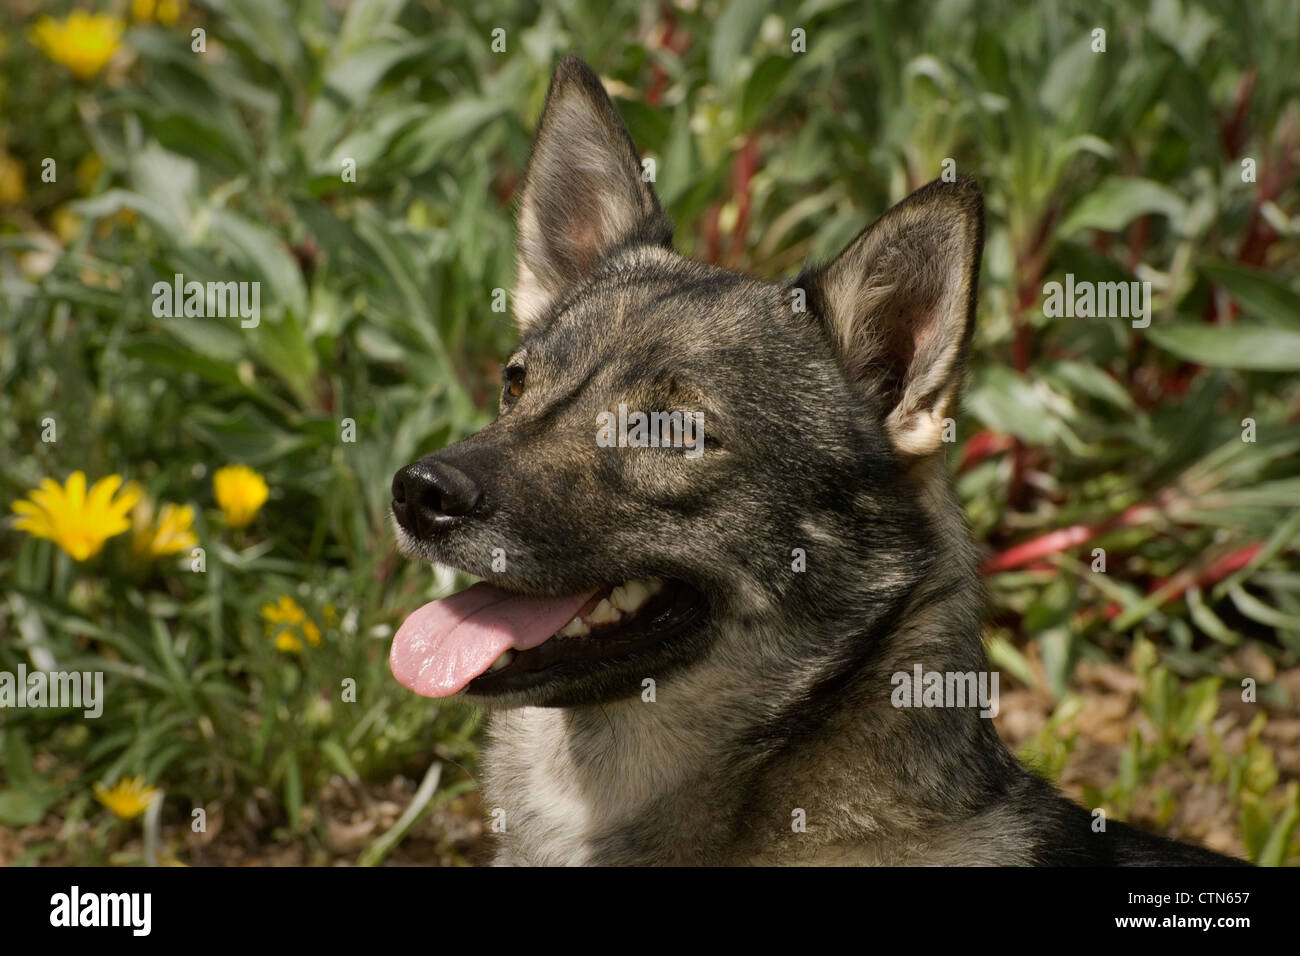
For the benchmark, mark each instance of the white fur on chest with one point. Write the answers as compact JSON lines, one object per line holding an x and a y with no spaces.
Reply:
{"x":530,"y":774}
{"x":563,"y":780}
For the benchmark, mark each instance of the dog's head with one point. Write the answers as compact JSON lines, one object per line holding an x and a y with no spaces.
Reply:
{"x":680,"y":447}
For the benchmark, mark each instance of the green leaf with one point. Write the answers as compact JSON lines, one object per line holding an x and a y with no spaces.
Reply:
{"x":1209,"y":622}
{"x":363,"y":18}
{"x":283,"y":347}
{"x":168,"y":180}
{"x":1198,"y":706}
{"x":107,"y":204}
{"x":262,"y":252}
{"x":244,"y":435}
{"x":162,"y":640}
{"x":218,"y":340}
{"x":426,"y":141}
{"x":336,"y":756}
{"x":1257,"y":610}
{"x":1230,"y":346}
{"x":1274,"y":852}
{"x":762,"y":87}
{"x":18,"y":756}
{"x":371,"y":142}
{"x":1056,"y":646}
{"x":1006,"y":403}
{"x":1091,"y":380}
{"x":24,"y":808}
{"x":374,"y":854}
{"x":357,"y":74}
{"x":267,"y":29}
{"x":733,"y":35}
{"x":292,"y":789}
{"x":1004,"y":655}
{"x":1067,"y":89}
{"x":164,"y":355}
{"x":1117,"y":202}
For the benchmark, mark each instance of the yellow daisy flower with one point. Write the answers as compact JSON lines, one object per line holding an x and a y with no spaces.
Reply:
{"x":288,"y":624}
{"x":128,"y":798}
{"x":77,"y":521}
{"x":240,"y":492}
{"x":170,"y":534}
{"x":84,"y":42}
{"x":288,"y":642}
{"x":284,"y":611}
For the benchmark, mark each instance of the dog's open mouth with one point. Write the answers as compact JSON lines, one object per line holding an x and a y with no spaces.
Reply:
{"x":492,"y":641}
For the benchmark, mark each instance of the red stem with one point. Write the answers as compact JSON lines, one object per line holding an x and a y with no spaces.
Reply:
{"x":1210,"y":574}
{"x":982,"y":445}
{"x":742,"y":175}
{"x":712,"y":236}
{"x":1063,"y":539}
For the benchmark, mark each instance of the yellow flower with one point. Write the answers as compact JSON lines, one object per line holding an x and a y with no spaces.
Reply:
{"x":284,"y":611}
{"x":171,"y":533}
{"x":241,"y":492}
{"x":288,"y":642}
{"x":166,"y":12}
{"x":83,"y":42}
{"x":128,"y":798}
{"x":13,"y":189}
{"x":288,"y":624}
{"x":77,"y":522}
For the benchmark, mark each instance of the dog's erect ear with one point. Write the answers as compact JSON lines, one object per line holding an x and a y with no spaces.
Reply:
{"x":900,"y":306}
{"x":583,"y":193}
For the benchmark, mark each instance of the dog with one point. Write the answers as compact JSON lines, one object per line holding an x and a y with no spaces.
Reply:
{"x":715,"y":525}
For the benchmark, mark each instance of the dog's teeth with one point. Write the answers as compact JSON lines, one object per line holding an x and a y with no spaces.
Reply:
{"x":630,"y":595}
{"x":653,"y":585}
{"x":575,"y":628}
{"x":603,"y":613}
{"x":503,"y":661}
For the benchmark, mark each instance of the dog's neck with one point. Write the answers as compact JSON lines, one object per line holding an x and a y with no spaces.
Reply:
{"x":729,"y":764}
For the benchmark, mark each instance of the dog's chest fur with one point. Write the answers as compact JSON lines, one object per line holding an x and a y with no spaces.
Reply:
{"x":612,"y":784}
{"x":666,"y":783}
{"x":642,"y":809}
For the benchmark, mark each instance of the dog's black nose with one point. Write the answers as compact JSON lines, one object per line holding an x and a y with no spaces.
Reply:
{"x":429,"y":493}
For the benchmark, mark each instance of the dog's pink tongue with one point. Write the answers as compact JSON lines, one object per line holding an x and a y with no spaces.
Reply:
{"x":446,"y":644}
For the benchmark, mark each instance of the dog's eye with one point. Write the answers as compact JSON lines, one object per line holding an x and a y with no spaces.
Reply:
{"x":513,"y":377}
